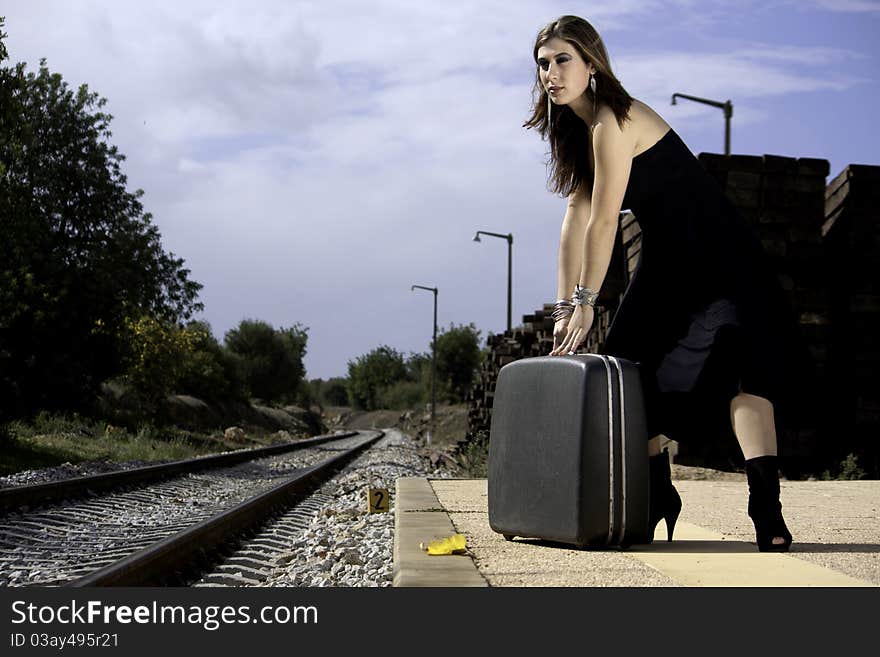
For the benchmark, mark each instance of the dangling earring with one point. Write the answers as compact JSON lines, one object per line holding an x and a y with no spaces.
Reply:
{"x":593,"y":89}
{"x":549,"y":105}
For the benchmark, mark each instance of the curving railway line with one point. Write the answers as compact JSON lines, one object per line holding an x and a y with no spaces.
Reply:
{"x":173,"y":523}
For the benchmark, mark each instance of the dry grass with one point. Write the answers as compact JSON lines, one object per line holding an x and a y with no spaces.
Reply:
{"x":52,"y":440}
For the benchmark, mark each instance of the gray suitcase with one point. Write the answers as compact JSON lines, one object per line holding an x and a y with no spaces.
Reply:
{"x":568,"y":452}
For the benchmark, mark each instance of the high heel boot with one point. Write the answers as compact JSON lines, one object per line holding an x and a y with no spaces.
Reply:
{"x":765,"y":509}
{"x":665,"y":501}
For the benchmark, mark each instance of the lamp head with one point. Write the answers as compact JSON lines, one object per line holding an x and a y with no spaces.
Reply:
{"x":477,"y":237}
{"x":673,"y":100}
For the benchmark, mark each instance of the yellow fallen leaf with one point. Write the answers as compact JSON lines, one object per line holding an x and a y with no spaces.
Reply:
{"x":448,"y":545}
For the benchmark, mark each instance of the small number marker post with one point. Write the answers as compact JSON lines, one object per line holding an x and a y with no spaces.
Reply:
{"x":378,"y":500}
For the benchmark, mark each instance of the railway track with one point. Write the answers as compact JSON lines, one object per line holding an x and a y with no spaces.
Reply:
{"x":23,"y":497}
{"x":164,"y":533}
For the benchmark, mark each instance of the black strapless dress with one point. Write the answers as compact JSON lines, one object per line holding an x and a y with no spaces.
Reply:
{"x":704,"y":314}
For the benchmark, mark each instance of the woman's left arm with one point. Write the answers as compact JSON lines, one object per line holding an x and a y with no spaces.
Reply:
{"x":613,"y":150}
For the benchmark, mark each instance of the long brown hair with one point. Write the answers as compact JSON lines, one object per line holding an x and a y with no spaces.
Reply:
{"x":568,"y":135}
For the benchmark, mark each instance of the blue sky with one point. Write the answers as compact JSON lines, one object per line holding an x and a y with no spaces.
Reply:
{"x":312,"y":160}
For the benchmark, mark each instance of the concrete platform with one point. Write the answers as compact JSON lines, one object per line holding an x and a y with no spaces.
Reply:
{"x":835,"y":526}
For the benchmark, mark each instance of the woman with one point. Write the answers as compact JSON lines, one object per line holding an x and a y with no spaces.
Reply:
{"x":703,"y":314}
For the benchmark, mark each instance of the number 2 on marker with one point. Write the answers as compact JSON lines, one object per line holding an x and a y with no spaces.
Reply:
{"x":377,"y":499}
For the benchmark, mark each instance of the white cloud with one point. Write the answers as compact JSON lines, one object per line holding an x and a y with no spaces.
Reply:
{"x":748,"y":73}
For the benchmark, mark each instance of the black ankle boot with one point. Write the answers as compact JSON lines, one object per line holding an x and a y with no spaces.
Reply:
{"x":765,"y":510}
{"x":665,"y":501}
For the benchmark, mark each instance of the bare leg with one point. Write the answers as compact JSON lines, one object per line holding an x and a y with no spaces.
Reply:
{"x":755,"y":427}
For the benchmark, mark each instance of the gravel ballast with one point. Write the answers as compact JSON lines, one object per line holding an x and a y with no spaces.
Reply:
{"x":345,"y":545}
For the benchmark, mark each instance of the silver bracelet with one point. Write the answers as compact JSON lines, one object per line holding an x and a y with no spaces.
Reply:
{"x":584,"y":296}
{"x":562,"y":309}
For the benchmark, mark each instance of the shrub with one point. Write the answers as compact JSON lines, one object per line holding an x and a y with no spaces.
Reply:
{"x":473,"y":455}
{"x":402,"y":395}
{"x":335,"y":392}
{"x":157,"y":354}
{"x":849,"y":469}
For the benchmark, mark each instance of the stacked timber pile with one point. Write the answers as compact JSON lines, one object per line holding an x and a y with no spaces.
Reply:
{"x":851,"y":234}
{"x":632,"y":242}
{"x":783,"y":199}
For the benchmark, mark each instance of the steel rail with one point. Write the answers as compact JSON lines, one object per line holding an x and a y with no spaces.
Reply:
{"x":154,"y":565}
{"x":15,"y":497}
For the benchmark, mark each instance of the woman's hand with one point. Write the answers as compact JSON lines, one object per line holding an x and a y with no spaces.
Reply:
{"x":560,"y":330}
{"x":579,"y":325}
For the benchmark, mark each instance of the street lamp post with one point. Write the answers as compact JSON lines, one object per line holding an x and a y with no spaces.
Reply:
{"x":433,"y":360}
{"x":727,"y":106}
{"x":509,"y":238}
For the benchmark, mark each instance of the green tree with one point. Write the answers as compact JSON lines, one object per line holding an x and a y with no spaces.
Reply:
{"x":270,"y":361}
{"x":403,"y":395}
{"x":458,"y":359}
{"x":209,"y":371}
{"x":371,"y":374}
{"x":79,"y":257}
{"x":334,"y":391}
{"x":418,"y":369}
{"x":157,"y":351}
